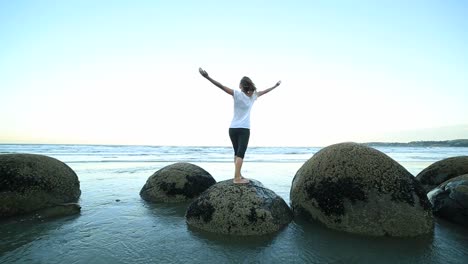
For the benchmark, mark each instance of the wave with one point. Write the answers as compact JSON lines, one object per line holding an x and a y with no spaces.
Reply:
{"x":183,"y":160}
{"x":85,"y":154}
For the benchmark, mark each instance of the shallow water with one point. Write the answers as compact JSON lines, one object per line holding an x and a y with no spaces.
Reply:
{"x":117,"y":226}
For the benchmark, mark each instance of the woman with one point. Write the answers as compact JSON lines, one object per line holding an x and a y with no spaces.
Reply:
{"x":239,"y":131}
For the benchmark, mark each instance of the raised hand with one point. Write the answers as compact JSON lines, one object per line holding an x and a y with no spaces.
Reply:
{"x":203,"y":72}
{"x":278,"y":83}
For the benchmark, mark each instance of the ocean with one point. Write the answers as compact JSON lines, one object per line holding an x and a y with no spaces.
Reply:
{"x":116,"y":226}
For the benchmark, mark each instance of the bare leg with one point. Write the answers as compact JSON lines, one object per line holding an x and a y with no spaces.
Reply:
{"x":242,"y":177}
{"x":237,"y":173}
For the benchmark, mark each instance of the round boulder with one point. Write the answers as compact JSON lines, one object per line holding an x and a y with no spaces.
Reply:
{"x":358,"y":189}
{"x":31,"y":182}
{"x":177,"y":182}
{"x":239,"y":209}
{"x":450,"y":200}
{"x":442,"y":171}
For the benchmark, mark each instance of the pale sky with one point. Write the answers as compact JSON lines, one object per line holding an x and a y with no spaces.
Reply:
{"x":126,"y":72}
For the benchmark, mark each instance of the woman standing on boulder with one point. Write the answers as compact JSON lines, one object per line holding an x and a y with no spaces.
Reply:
{"x":239,"y":131}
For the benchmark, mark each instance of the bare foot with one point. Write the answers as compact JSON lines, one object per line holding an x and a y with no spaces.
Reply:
{"x":242,"y":180}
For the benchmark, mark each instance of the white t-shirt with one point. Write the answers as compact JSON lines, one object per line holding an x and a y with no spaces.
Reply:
{"x":242,"y":106}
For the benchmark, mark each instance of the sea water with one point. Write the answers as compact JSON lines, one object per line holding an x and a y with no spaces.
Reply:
{"x":116,"y":226}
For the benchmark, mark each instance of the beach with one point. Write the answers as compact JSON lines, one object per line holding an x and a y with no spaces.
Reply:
{"x":116,"y":226}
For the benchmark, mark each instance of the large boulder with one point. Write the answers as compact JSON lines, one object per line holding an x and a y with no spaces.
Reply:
{"x":442,"y":171}
{"x":29,"y":183}
{"x":450,"y":200}
{"x":358,"y":189}
{"x":239,"y":209}
{"x":177,"y":182}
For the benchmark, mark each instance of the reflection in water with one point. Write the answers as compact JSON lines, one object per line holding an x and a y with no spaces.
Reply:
{"x":18,"y":231}
{"x":336,"y":246}
{"x":134,"y":231}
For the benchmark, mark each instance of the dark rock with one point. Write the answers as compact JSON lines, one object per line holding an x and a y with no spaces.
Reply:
{"x":358,"y":189}
{"x":32,"y":182}
{"x":450,"y":200}
{"x":441,"y":171}
{"x":58,"y":210}
{"x":176,"y":183}
{"x":239,"y":209}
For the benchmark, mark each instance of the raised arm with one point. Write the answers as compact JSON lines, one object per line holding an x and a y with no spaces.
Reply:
{"x":222,"y":87}
{"x":260,"y":93}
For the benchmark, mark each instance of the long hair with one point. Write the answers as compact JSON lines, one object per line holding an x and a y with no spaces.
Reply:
{"x":247,"y":84}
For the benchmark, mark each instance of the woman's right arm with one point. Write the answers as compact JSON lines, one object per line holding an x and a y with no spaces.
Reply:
{"x":222,"y":87}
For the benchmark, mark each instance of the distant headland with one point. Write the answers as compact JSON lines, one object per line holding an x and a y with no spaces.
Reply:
{"x":444,"y":143}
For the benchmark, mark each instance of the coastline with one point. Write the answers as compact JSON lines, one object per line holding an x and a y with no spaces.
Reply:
{"x":443,"y":143}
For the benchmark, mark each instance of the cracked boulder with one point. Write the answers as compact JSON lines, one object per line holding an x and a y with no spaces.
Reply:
{"x":441,"y":171}
{"x":30,"y":183}
{"x":239,"y":209}
{"x":177,"y":182}
{"x":358,"y":189}
{"x":450,"y":200}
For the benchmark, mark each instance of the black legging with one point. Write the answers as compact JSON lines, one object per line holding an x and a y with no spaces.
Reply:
{"x":240,"y":140}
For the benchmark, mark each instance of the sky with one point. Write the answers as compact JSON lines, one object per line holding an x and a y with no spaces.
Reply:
{"x":126,"y":72}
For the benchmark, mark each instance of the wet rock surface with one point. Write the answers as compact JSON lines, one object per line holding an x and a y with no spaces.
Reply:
{"x":450,"y":200}
{"x":58,"y":211}
{"x":239,"y":209}
{"x":177,"y":182}
{"x":441,"y":171}
{"x":29,"y":183}
{"x":358,"y":189}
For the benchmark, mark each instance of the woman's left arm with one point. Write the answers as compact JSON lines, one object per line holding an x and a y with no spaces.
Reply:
{"x":260,"y":93}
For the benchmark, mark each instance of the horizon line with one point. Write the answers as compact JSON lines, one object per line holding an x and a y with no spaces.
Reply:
{"x":223,"y":146}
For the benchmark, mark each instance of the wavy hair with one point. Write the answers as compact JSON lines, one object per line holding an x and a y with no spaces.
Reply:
{"x":247,"y":84}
